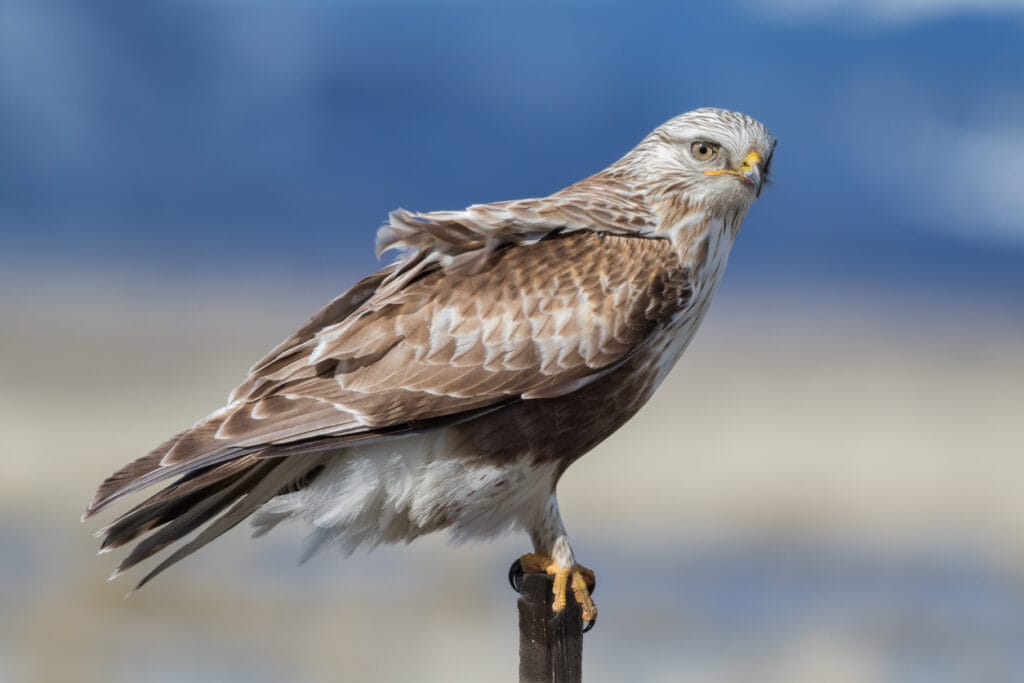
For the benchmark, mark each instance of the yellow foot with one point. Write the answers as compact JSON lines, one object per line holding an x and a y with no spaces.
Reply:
{"x":577,"y":578}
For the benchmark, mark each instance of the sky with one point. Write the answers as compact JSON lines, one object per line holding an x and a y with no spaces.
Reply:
{"x":224,"y":137}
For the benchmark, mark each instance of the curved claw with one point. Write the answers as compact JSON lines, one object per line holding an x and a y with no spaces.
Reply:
{"x":515,"y":576}
{"x":589,"y":623}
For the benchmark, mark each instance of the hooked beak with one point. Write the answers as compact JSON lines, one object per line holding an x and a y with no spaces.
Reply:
{"x":749,"y":171}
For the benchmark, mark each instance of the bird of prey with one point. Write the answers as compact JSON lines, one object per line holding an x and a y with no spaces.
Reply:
{"x":453,"y":388}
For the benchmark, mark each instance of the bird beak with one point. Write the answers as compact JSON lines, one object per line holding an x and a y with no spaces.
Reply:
{"x":749,"y":171}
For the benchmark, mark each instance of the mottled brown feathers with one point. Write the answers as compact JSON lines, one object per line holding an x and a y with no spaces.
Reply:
{"x":540,"y":321}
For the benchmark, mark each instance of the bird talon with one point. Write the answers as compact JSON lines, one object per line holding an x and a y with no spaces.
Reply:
{"x":579,"y":579}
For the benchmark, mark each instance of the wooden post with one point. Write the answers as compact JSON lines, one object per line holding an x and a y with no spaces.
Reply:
{"x":550,"y":645}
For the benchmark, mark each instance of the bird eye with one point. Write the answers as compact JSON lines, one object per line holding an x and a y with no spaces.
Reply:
{"x":703,"y":151}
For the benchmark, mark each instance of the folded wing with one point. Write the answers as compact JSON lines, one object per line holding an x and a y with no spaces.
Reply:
{"x":412,"y":347}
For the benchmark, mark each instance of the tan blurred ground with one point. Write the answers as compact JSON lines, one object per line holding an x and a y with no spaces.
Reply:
{"x":843,"y":420}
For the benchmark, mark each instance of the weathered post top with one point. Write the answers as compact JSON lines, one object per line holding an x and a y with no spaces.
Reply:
{"x":550,"y":645}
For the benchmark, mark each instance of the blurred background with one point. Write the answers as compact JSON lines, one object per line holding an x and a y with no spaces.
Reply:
{"x":826,"y":489}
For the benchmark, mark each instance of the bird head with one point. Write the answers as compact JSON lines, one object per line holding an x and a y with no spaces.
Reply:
{"x":712,"y":158}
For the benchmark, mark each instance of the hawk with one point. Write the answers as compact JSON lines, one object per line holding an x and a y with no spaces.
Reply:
{"x":453,"y":388}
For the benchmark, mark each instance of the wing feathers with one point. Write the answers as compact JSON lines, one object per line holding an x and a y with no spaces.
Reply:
{"x":114,"y":486}
{"x":536,"y":328}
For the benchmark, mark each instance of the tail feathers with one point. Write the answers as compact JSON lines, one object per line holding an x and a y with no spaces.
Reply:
{"x":262,"y":482}
{"x":218,"y":496}
{"x":172,"y":502}
{"x":208,"y":507}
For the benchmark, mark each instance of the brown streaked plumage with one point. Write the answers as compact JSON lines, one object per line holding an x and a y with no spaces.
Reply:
{"x":453,"y":388}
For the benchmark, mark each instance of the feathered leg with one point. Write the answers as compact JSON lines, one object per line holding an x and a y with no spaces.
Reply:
{"x":553,"y":555}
